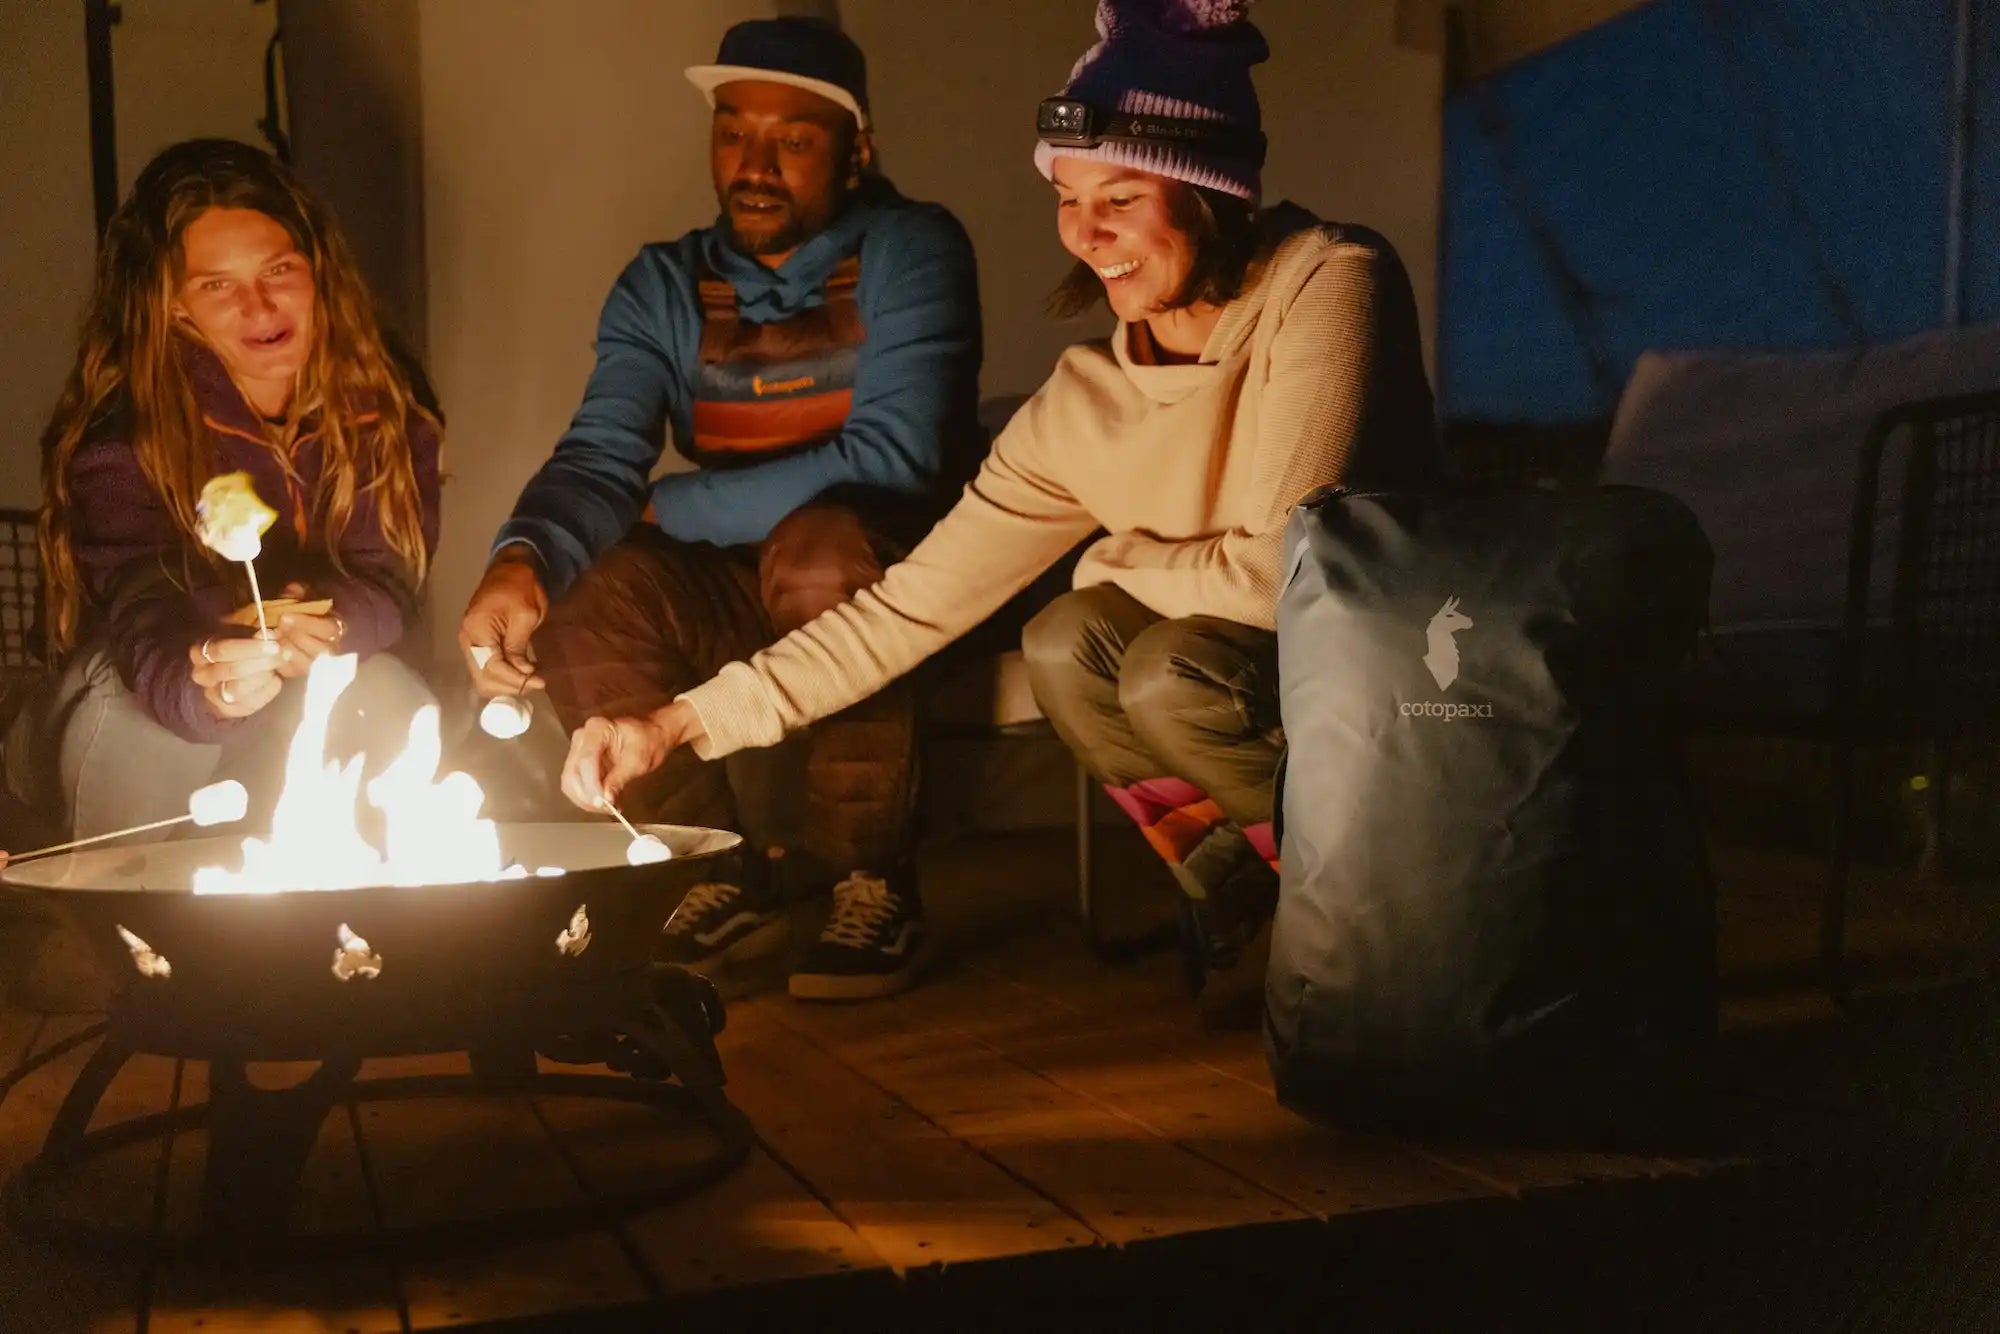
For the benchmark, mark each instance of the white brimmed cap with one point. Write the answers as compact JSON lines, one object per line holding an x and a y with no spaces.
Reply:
{"x":803,"y":52}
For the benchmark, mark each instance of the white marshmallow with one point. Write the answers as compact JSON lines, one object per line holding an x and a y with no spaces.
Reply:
{"x":647,"y":849}
{"x":218,"y":803}
{"x":238,"y":543}
{"x":505,"y":716}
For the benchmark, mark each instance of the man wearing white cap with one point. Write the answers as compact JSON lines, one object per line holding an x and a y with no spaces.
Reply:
{"x":815,"y":353}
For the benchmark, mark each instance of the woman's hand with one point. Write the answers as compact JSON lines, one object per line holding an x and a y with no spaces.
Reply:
{"x":301,"y":638}
{"x":304,"y":638}
{"x":236,"y":676}
{"x":606,"y":754}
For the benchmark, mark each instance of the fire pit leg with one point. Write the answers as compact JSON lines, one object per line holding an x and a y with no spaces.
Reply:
{"x":258,"y":1141}
{"x":677,"y":1029}
{"x":65,"y":1136}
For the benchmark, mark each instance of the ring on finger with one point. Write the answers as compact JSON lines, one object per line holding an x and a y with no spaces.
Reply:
{"x":206,"y":644}
{"x":223,"y":693}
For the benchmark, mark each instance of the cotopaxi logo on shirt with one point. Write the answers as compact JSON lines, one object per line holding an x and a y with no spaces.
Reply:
{"x":1441,"y":658}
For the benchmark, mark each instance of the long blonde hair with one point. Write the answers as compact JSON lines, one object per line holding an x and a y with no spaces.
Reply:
{"x":129,"y":369}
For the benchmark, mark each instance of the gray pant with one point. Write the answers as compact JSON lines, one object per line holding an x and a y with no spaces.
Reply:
{"x":88,"y":755}
{"x":1178,"y":719}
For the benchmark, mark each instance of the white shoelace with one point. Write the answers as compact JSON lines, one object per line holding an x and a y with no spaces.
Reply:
{"x":704,"y":896}
{"x":861,"y":903}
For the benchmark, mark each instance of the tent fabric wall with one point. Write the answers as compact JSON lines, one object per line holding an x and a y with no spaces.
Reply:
{"x":1740,"y":174}
{"x":1762,"y":447}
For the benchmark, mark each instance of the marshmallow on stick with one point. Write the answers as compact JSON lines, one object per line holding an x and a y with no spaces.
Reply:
{"x":647,"y":849}
{"x":505,"y":716}
{"x":644,"y":849}
{"x":231,"y":520}
{"x":218,"y":803}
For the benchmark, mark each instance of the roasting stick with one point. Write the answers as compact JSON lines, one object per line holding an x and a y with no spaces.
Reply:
{"x":218,"y":803}
{"x":605,"y":802}
{"x":231,"y":519}
{"x":257,"y":596}
{"x":644,"y":848}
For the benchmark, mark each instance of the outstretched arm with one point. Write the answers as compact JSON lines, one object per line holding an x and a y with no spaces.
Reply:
{"x":1014,"y":520}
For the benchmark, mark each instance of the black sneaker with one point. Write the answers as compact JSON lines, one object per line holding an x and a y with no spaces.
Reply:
{"x":872,"y":945}
{"x":718,"y":920}
{"x":1218,"y":928}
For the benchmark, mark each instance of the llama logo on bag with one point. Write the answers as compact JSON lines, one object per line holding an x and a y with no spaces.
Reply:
{"x":1441,"y":655}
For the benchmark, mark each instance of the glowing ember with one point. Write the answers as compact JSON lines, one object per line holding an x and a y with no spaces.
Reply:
{"x":353,"y":958}
{"x":149,"y":963}
{"x":574,"y":939}
{"x":434,"y":834}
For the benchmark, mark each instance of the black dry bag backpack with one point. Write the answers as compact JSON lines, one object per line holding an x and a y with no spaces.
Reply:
{"x":1490,"y":863}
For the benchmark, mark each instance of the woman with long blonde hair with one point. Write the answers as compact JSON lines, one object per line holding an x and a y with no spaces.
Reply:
{"x":228,"y":330}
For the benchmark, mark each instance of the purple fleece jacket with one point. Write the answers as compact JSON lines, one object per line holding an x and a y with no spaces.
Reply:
{"x":149,"y":595}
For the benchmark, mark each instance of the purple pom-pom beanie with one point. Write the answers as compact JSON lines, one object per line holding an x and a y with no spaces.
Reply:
{"x":1189,"y":59}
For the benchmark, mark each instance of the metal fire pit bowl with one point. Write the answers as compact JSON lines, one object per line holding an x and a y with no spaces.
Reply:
{"x":557,"y":964}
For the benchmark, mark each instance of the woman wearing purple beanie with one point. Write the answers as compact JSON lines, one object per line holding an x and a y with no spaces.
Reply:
{"x":1260,"y":353}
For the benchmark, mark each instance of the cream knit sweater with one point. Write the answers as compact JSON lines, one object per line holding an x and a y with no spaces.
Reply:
{"x":1192,"y":470}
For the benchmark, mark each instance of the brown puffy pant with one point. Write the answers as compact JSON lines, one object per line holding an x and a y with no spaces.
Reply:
{"x":654,"y":617}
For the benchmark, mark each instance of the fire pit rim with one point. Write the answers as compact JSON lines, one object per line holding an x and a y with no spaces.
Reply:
{"x":85,"y":872}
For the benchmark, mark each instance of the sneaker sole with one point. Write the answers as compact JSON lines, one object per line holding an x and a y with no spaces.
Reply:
{"x":859,"y":986}
{"x":766,"y":939}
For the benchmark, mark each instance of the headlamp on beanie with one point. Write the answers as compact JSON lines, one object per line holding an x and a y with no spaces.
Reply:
{"x":1065,"y":122}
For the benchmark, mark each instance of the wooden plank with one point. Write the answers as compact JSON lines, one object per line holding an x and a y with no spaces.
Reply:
{"x":334,"y":1293}
{"x":44,"y":1287}
{"x":1105,"y":994}
{"x":758,"y":1224}
{"x":1111,"y":1171}
{"x":1136,"y":1068}
{"x":1054,"y":963}
{"x":478,"y":1157}
{"x":914,"y":1194}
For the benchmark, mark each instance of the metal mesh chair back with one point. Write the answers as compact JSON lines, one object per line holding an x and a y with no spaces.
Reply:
{"x":1940,"y":658}
{"x":20,"y":591}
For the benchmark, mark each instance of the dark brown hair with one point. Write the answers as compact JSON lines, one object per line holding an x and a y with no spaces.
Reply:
{"x":1223,"y":237}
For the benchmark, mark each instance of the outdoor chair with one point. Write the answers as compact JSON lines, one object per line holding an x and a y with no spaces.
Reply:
{"x":20,"y":592}
{"x":1919,"y":650}
{"x":21,"y":665}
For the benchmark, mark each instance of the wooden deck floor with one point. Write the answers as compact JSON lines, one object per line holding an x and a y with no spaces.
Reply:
{"x":1025,"y":1102}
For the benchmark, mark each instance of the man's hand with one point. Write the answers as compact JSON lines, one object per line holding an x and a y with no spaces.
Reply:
{"x":606,"y":754}
{"x":506,"y":609}
{"x":236,"y":676}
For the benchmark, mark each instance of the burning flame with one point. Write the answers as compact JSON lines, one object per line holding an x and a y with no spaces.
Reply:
{"x":434,"y":833}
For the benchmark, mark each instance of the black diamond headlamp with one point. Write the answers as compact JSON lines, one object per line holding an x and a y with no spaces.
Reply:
{"x":1064,"y":122}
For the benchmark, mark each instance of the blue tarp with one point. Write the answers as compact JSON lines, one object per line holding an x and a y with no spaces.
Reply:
{"x":1758,"y":174}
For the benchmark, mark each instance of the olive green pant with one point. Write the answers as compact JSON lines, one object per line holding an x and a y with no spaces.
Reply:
{"x":1177,"y":718}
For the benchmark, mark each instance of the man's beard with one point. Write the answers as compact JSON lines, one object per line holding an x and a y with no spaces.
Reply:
{"x":799,"y":225}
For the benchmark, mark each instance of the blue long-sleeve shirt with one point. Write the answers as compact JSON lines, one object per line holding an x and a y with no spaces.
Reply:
{"x":914,"y":399}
